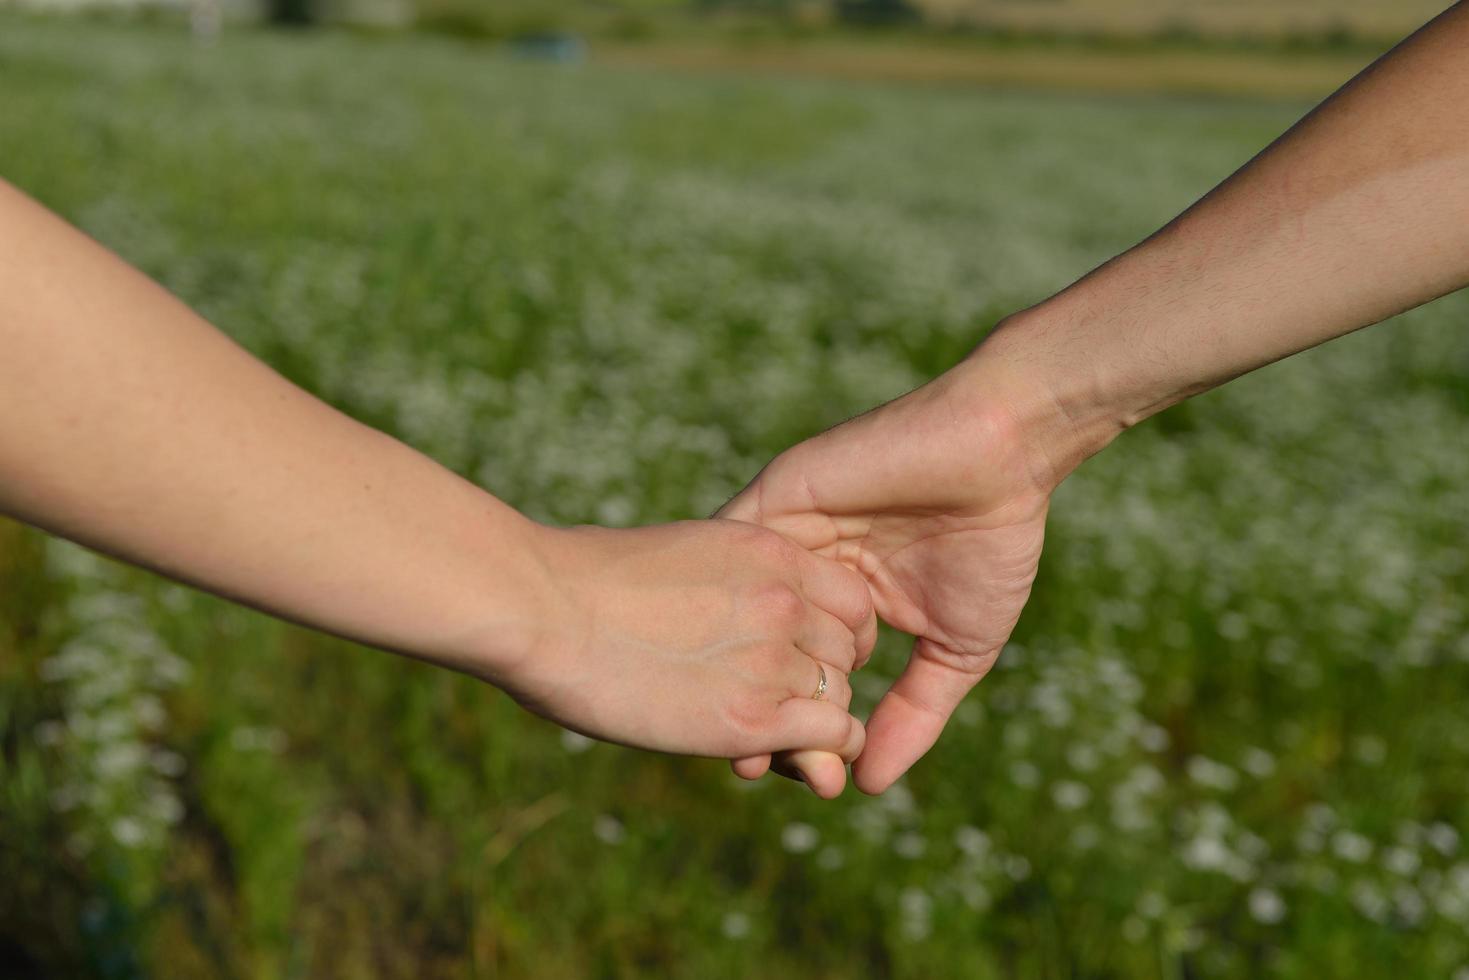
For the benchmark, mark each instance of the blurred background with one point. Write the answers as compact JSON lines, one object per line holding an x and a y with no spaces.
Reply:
{"x":606,"y":258}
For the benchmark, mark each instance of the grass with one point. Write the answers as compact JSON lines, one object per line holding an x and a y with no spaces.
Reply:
{"x":1110,"y":68}
{"x":1142,"y":18}
{"x":1229,"y":739}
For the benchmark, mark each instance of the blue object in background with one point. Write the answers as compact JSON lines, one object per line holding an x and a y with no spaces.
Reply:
{"x":565,"y":48}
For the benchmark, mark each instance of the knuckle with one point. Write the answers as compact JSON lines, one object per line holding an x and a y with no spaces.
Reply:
{"x":761,"y":540}
{"x":771,"y":549}
{"x":767,"y":658}
{"x":856,"y":599}
{"x":841,"y":652}
{"x":746,"y":718}
{"x":779,"y":605}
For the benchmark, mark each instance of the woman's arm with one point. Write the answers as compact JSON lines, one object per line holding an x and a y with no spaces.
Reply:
{"x":1359,"y":212}
{"x":130,"y":425}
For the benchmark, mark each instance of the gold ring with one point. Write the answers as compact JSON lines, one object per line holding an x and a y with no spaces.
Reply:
{"x":821,"y":686}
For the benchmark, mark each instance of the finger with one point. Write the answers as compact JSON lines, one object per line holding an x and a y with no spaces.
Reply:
{"x":827,"y":639}
{"x":751,"y":767}
{"x":843,"y":593}
{"x":804,"y":676}
{"x":742,"y":507}
{"x":807,"y":681}
{"x":909,"y":718}
{"x":804,"y":723}
{"x":823,"y":772}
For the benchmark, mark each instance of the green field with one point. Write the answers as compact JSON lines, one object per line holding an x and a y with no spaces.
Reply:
{"x":1231,"y":738}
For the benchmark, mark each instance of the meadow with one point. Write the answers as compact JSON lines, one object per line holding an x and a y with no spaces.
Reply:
{"x":1230,"y":738}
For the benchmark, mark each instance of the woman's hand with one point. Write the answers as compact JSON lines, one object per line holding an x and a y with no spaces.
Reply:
{"x":706,"y":637}
{"x":128,"y":424}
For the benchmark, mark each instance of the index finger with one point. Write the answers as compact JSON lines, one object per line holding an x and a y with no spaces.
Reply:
{"x":843,"y":593}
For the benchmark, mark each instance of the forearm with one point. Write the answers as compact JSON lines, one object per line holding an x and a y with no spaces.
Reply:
{"x":130,"y":425}
{"x":1360,"y":212}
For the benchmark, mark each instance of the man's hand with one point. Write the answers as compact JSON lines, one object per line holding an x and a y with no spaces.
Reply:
{"x":1357,"y":214}
{"x":938,"y":501}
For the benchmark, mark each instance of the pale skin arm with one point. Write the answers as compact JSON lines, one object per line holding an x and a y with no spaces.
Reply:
{"x":132,"y":426}
{"x":1359,"y":212}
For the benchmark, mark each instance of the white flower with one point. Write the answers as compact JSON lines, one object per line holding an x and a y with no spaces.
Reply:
{"x":1070,"y":795}
{"x":898,"y":799}
{"x":1266,"y":906}
{"x":1320,"y":817}
{"x":969,"y":713}
{"x":1213,"y":775}
{"x":910,"y":845}
{"x":1206,"y":854}
{"x":1153,"y":738}
{"x":1233,"y":626}
{"x":1351,"y":846}
{"x":1401,"y":861}
{"x":972,"y":841}
{"x":1409,"y":904}
{"x":974,"y":895}
{"x":735,"y":925}
{"x":575,"y":742}
{"x":871,"y":821}
{"x":1082,"y":757}
{"x":1151,"y":905}
{"x":128,"y":832}
{"x":1370,"y":750}
{"x":1252,"y":846}
{"x":1085,"y":836}
{"x":917,"y":913}
{"x":250,"y":739}
{"x":1258,"y":763}
{"x":1443,"y":839}
{"x":167,"y":763}
{"x":1369,"y":900}
{"x":1024,"y":774}
{"x":799,"y":838}
{"x":608,"y":829}
{"x":616,"y":512}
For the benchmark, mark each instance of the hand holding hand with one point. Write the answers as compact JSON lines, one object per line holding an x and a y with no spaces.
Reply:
{"x":938,"y":500}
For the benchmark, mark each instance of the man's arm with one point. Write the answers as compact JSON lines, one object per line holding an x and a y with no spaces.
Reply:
{"x":1359,"y":212}
{"x":130,"y":425}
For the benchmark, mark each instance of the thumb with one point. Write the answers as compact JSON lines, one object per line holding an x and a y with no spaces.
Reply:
{"x":743,"y":506}
{"x":911,"y":716}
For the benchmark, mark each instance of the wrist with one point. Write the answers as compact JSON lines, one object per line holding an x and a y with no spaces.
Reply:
{"x":1060,"y":406}
{"x":559,"y":583}
{"x":511,"y":604}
